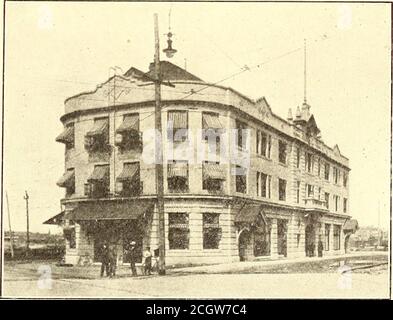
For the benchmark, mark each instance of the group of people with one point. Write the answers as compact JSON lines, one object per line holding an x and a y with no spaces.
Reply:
{"x":109,"y":260}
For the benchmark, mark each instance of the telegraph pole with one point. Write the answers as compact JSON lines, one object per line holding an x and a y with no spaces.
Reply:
{"x":26,"y":197}
{"x":9,"y":225}
{"x":159,"y":150}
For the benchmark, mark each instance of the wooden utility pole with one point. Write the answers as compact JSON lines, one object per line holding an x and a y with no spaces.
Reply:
{"x":26,"y":197}
{"x":9,"y":225}
{"x":159,"y":150}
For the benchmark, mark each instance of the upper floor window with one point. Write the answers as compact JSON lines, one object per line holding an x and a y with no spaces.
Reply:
{"x":241,"y":179}
{"x":336,"y":200}
{"x":327,"y":196}
{"x":282,"y":186}
{"x":345,"y":204}
{"x":282,"y":152}
{"x":97,"y":185}
{"x":67,"y":136}
{"x":297,"y":157}
{"x":178,"y":176}
{"x":68,"y":181}
{"x":335,"y":175}
{"x":297,"y":191}
{"x":264,"y":142}
{"x":319,"y":167}
{"x":128,"y":136}
{"x":241,"y":134}
{"x":97,"y":139}
{"x":128,"y":183}
{"x":213,"y":176}
{"x":327,"y":171}
{"x":177,"y":126}
{"x":309,"y":162}
{"x":211,"y":130}
{"x":178,"y":231}
{"x":211,"y":231}
{"x":263,"y":185}
{"x":309,"y":191}
{"x":345,"y":179}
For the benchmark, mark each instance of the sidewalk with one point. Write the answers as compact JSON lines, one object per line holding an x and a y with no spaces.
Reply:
{"x":305,"y":264}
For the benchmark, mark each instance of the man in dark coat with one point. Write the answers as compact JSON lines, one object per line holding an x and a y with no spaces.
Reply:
{"x":105,"y":260}
{"x":133,"y":258}
{"x":112,"y":261}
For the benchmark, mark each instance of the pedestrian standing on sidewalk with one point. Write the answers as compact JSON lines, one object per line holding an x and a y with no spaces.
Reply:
{"x":112,"y":260}
{"x":133,"y":258}
{"x":105,"y":260}
{"x":147,"y":263}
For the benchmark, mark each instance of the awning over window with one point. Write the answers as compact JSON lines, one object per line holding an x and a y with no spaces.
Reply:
{"x":67,"y":180}
{"x":111,"y":210}
{"x":67,"y":136}
{"x":178,"y":119}
{"x":213,"y":171}
{"x":100,"y":127}
{"x":210,"y":121}
{"x":249,"y":214}
{"x":351,"y":225}
{"x":178,"y":169}
{"x":100,"y":173}
{"x":57,"y":219}
{"x":130,"y":170}
{"x":130,"y":123}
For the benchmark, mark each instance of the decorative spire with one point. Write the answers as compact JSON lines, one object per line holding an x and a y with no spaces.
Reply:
{"x":305,"y":71}
{"x":298,"y":113}
{"x":289,"y":117}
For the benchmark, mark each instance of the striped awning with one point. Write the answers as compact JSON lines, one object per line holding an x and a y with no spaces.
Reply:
{"x":130,"y":171}
{"x":100,"y":173}
{"x":67,"y":136}
{"x":130,"y":123}
{"x":178,"y":169}
{"x":67,"y":180}
{"x":213,"y":171}
{"x":210,"y":121}
{"x":111,"y":210}
{"x":100,"y":127}
{"x":177,"y":119}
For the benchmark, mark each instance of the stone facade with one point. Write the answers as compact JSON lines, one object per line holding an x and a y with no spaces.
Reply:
{"x":288,"y":219}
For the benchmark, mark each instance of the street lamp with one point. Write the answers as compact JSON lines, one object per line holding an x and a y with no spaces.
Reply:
{"x":169,"y":51}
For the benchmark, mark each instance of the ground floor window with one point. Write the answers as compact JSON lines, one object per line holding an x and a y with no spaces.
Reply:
{"x":70,"y":236}
{"x":282,"y":237}
{"x":211,"y":231}
{"x":327,"y":237}
{"x":336,"y":237}
{"x":179,"y":232}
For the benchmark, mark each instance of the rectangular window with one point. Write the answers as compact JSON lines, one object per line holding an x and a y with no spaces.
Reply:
{"x":241,"y":132}
{"x":282,"y":186}
{"x":345,"y":179}
{"x":97,"y":139}
{"x":211,"y":231}
{"x":336,"y":237}
{"x":178,"y":231}
{"x":319,"y":167}
{"x":282,"y":152}
{"x":345,"y":202}
{"x":128,"y":183}
{"x":178,"y":176}
{"x":309,"y":162}
{"x":263,"y":143}
{"x":327,"y":195}
{"x":70,"y":236}
{"x":327,"y":237}
{"x":297,"y":191}
{"x":319,"y":193}
{"x":327,"y":171}
{"x":177,"y":126}
{"x":297,"y":157}
{"x":336,"y":200}
{"x":241,"y":179}
{"x":335,"y":175}
{"x":310,"y":191}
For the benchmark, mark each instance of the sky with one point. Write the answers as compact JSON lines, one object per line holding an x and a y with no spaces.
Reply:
{"x":56,"y":50}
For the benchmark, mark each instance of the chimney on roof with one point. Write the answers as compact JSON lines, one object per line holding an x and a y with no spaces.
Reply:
{"x":289,"y":117}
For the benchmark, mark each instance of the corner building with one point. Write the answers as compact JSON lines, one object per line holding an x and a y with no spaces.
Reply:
{"x":289,"y":194}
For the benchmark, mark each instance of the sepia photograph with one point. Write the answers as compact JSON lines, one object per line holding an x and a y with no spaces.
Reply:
{"x":196,"y":150}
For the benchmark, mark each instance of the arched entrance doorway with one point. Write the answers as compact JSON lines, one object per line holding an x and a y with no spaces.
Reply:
{"x":310,"y":240}
{"x":244,"y":242}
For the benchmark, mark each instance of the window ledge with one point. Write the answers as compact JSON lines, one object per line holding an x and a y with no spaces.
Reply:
{"x":263,"y":157}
